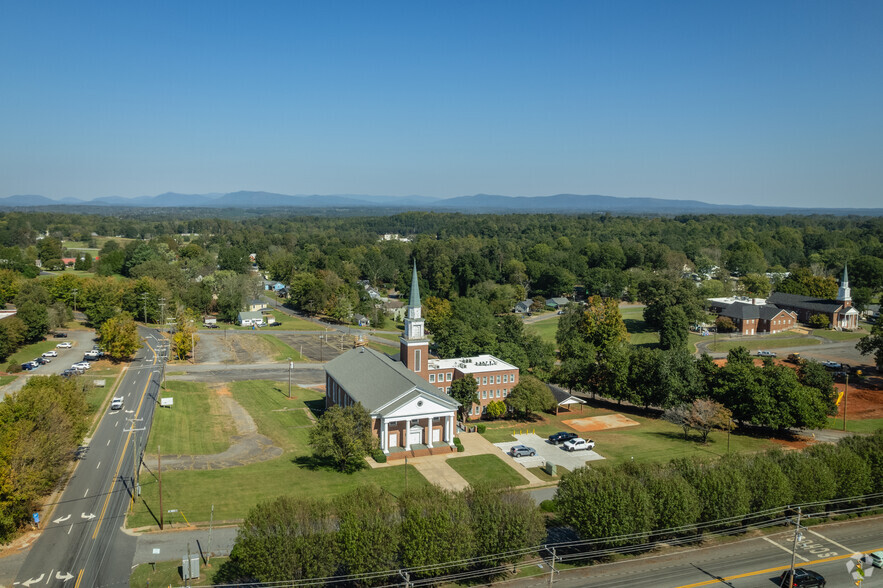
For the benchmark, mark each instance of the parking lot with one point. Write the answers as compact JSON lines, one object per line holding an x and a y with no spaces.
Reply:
{"x":546,"y":452}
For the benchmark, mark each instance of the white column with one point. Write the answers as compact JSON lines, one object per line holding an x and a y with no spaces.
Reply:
{"x":407,"y":434}
{"x":430,"y":420}
{"x":384,"y":435}
{"x":449,"y":426}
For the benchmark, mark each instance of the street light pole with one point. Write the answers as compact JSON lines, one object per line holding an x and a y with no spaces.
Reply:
{"x":290,"y":365}
{"x":794,"y":548}
{"x":845,"y":400}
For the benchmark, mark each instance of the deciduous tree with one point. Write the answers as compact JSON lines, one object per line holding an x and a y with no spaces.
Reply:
{"x":465,"y":391}
{"x":530,"y":395}
{"x":119,"y":337}
{"x":343,"y":435}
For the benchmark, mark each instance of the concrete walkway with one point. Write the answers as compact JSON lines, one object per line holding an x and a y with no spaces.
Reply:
{"x":437,"y":470}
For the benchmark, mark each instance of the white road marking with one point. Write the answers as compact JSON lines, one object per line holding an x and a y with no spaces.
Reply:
{"x":62,"y":519}
{"x":116,"y":423}
{"x":63,"y":578}
{"x":783,"y":548}
{"x":841,"y":546}
{"x":86,"y":494}
{"x":50,"y":576}
{"x":98,"y":466}
{"x":108,"y":442}
{"x":30,"y":581}
{"x":71,"y":529}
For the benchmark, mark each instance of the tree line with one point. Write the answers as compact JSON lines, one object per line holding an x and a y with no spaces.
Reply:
{"x":41,"y":427}
{"x":369,"y":531}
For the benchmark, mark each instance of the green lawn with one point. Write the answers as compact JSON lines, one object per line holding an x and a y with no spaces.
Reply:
{"x":234,"y":491}
{"x":389,"y":336}
{"x":652,"y":440}
{"x":838,"y":335}
{"x":167,"y":573}
{"x":96,"y":396}
{"x":388,"y":349}
{"x":6,"y":379}
{"x":283,"y":350}
{"x":196,"y":424}
{"x":287,"y":323}
{"x":476,"y":469}
{"x":855,"y":426}
{"x":768,"y":342}
{"x":29,"y":352}
{"x":546,"y":329}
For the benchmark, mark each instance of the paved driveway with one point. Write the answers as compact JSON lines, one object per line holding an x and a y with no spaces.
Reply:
{"x":546,"y":452}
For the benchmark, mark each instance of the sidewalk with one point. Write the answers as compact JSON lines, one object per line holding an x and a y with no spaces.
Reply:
{"x":435,"y":468}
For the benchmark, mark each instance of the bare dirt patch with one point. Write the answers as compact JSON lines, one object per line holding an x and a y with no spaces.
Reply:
{"x":223,"y":391}
{"x":864,"y":401}
{"x":600,"y":423}
{"x":795,"y":443}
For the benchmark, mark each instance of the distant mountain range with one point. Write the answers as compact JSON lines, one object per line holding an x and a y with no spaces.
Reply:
{"x":479,"y":203}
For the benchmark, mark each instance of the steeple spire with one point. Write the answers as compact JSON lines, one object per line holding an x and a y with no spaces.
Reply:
{"x":415,"y":289}
{"x":843,"y":294}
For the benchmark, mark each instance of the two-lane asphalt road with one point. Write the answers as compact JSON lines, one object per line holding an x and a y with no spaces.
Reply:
{"x":83,"y":544}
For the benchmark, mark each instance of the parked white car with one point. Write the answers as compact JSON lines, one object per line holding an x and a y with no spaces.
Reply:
{"x":64,"y":345}
{"x":50,"y":354}
{"x":94,"y":354}
{"x":578,"y":444}
{"x":82,"y":365}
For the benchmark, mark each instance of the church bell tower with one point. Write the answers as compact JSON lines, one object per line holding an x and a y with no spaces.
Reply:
{"x":413,"y":344}
{"x":843,"y":294}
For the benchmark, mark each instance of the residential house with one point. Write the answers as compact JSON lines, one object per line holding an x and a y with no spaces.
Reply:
{"x":250,"y":318}
{"x":362,"y":320}
{"x":256,"y":304}
{"x":557,"y":302}
{"x":395,"y":308}
{"x":523,"y":306}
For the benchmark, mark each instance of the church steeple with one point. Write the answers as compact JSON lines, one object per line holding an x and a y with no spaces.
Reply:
{"x":843,"y":294}
{"x":413,"y":344}
{"x":414,"y":301}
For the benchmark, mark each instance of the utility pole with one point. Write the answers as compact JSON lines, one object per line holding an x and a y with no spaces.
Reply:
{"x":407,"y":577}
{"x":74,"y":292}
{"x":159,"y":472}
{"x":211,"y":521}
{"x":162,"y":310}
{"x":794,"y":548}
{"x":290,"y":366}
{"x":193,"y":347}
{"x":135,"y":464}
{"x":144,"y":300}
{"x":552,"y":567}
{"x":845,"y":401}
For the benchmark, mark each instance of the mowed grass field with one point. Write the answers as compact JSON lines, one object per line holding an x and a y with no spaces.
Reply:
{"x":477,"y":469}
{"x":234,"y":491}
{"x":652,"y":440}
{"x":167,"y":573}
{"x":196,"y":424}
{"x":29,"y":352}
{"x":283,"y":350}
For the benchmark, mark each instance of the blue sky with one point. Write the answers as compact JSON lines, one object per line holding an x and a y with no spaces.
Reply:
{"x":741,"y":102}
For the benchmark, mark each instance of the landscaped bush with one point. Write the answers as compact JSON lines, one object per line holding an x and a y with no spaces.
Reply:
{"x":13,"y":368}
{"x":819,"y":321}
{"x":481,"y":428}
{"x":379,"y":456}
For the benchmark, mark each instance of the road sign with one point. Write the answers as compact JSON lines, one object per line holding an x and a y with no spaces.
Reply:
{"x":36,"y":518}
{"x":166,"y":401}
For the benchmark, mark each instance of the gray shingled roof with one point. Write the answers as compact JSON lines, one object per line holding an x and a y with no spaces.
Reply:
{"x":804,"y":302}
{"x":740,"y":310}
{"x":377,"y":382}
